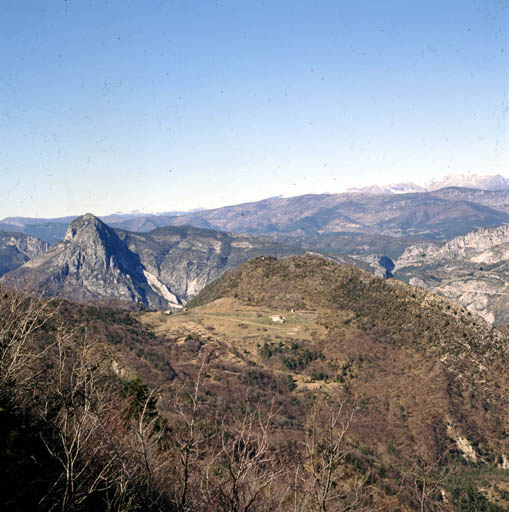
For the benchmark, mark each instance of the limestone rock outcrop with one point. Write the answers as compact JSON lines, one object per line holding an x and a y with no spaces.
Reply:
{"x":17,"y":248}
{"x":472,"y":269}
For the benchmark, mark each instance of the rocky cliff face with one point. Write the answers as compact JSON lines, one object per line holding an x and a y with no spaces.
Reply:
{"x":161,"y":269}
{"x":187,"y":258}
{"x":90,"y":263}
{"x":483,"y":246}
{"x":472,"y":269}
{"x":17,"y":248}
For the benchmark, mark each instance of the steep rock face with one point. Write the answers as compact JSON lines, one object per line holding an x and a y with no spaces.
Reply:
{"x":472,"y":269}
{"x":417,"y":254}
{"x":187,"y":258}
{"x":17,"y":248}
{"x":485,"y":245}
{"x":378,"y":264}
{"x":160,"y":269}
{"x":90,"y":263}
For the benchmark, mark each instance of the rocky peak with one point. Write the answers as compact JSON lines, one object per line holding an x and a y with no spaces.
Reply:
{"x":86,"y":226}
{"x":91,"y":262}
{"x":97,"y":242}
{"x":470,"y":180}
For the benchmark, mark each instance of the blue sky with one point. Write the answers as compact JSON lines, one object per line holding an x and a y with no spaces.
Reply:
{"x":165,"y":105}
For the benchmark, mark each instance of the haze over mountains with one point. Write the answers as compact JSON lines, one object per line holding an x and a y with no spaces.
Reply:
{"x":437,"y":215}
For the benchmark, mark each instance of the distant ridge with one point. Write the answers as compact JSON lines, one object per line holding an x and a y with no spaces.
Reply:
{"x":445,"y":208}
{"x":470,"y":180}
{"x":439,"y":215}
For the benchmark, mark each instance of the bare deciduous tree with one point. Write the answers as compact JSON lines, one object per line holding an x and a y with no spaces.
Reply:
{"x":427,"y":478}
{"x":320,"y":478}
{"x":100,"y":445}
{"x":240,"y":475}
{"x":152,"y":465}
{"x":79,"y":404}
{"x":22,"y":317}
{"x":189,"y":438}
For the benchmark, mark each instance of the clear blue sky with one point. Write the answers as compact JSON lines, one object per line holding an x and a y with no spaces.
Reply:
{"x":164,"y":105}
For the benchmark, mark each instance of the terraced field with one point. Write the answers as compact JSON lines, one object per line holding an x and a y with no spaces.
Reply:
{"x":243,"y":330}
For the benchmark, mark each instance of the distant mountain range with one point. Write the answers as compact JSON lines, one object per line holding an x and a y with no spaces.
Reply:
{"x":467,"y":202}
{"x":467,"y":180}
{"x":439,"y":215}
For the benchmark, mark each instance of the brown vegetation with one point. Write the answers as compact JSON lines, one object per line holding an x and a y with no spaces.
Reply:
{"x":345,"y":407}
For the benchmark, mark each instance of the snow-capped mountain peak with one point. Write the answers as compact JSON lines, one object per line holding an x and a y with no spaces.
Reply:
{"x":394,"y":188}
{"x":470,"y":180}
